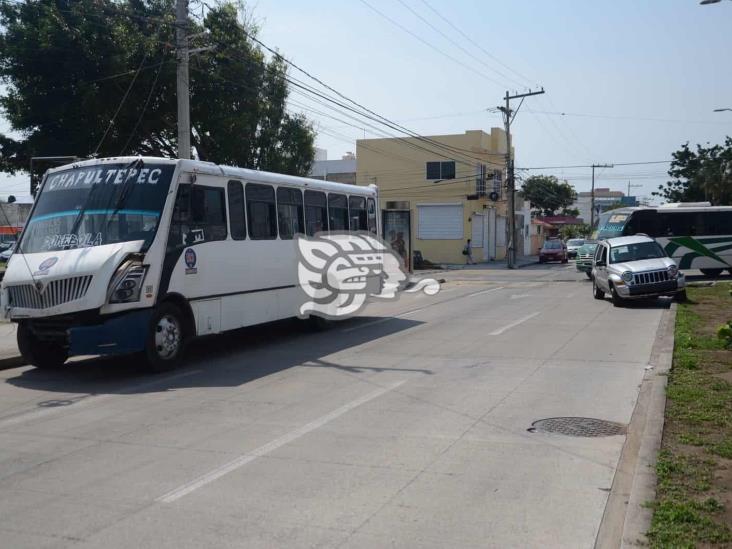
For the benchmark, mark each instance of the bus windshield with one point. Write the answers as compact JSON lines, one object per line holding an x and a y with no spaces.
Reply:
{"x":611,"y":224}
{"x":96,"y":205}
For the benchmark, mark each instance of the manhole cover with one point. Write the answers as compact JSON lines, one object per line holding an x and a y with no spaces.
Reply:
{"x":578,"y":427}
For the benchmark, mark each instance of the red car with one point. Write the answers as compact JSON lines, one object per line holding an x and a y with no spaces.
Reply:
{"x":553,"y":250}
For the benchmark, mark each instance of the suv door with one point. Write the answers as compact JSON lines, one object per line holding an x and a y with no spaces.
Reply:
{"x":601,"y":276}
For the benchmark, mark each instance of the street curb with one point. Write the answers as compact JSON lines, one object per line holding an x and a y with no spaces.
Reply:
{"x":639,"y":515}
{"x":527,"y":264}
{"x":11,"y":362}
{"x":627,"y":517}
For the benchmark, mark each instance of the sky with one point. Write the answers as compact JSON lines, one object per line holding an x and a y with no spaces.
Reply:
{"x":635,"y":78}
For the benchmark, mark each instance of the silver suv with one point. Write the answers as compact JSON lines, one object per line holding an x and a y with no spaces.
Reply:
{"x":635,"y":267}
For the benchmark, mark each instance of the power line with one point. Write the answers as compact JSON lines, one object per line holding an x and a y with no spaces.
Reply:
{"x":430,"y":45}
{"x":481,"y":48}
{"x":590,"y":165}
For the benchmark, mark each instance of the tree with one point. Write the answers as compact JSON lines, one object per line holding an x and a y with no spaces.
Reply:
{"x":97,"y":78}
{"x":701,"y":175}
{"x":547,"y":194}
{"x":582,"y":230}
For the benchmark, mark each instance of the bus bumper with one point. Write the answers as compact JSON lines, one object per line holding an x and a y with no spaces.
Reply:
{"x":120,"y":334}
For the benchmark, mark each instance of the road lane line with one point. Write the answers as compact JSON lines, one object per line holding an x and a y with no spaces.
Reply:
{"x":514,"y":324}
{"x":484,"y":291}
{"x":88,"y":399}
{"x":412,"y":311}
{"x":244,"y":459}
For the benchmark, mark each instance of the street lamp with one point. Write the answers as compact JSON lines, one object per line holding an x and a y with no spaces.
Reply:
{"x":722,"y":110}
{"x":706,"y":2}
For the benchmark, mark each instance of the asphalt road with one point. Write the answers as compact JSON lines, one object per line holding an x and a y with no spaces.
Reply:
{"x":406,"y":427}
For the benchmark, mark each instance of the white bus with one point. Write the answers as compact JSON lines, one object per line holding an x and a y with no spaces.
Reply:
{"x":139,"y":254}
{"x":697,"y":235}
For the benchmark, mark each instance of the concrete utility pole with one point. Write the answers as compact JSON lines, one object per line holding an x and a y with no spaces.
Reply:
{"x":629,"y":186}
{"x":184,"y":111}
{"x":592,"y":193}
{"x":508,"y":117}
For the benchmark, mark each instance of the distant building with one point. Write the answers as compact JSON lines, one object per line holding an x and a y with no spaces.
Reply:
{"x":439,"y":191}
{"x":341,"y":171}
{"x":604,"y":198}
{"x":12,"y":219}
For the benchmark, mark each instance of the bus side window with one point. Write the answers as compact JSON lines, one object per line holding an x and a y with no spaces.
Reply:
{"x":199,"y":216}
{"x":261,"y":211}
{"x":357,"y":208}
{"x":289,"y":212}
{"x":371,"y":209}
{"x":237,"y":218}
{"x":338,"y":212}
{"x":208,"y":214}
{"x":316,"y":212}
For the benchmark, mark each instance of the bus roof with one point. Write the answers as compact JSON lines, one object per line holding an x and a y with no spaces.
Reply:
{"x":670,"y":209}
{"x":199,"y":166}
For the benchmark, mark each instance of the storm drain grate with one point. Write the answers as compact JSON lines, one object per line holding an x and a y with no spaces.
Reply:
{"x":578,"y":427}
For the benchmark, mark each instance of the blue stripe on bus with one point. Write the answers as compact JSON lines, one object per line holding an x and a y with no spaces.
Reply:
{"x":92,"y":212}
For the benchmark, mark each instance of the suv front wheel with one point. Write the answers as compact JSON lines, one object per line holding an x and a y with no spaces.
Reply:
{"x":617,"y":300}
{"x":597,"y":292}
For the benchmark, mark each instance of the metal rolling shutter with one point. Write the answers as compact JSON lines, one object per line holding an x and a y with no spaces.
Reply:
{"x":440,"y":221}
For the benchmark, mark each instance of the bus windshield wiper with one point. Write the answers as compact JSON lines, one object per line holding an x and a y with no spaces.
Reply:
{"x":79,"y":216}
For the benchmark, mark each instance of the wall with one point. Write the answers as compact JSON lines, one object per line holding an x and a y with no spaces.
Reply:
{"x":398,"y":168}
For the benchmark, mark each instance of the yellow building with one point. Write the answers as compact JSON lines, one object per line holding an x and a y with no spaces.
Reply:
{"x":451,"y":185}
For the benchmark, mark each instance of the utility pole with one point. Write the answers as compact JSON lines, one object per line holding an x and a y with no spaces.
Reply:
{"x":592,"y":194}
{"x":629,"y":186}
{"x":184,"y":111}
{"x":508,"y":116}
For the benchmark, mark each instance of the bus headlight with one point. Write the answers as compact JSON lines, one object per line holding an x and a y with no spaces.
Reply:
{"x":627,"y":277}
{"x":126,"y":283}
{"x":673,"y":271}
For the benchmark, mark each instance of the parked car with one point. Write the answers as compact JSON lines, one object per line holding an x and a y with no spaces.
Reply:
{"x":553,"y":250}
{"x":6,"y":244}
{"x":574,"y":244}
{"x":635,"y":267}
{"x":585,"y":254}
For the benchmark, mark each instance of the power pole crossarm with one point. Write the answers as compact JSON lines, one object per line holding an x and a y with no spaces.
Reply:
{"x":508,"y":116}
{"x":184,"y":112}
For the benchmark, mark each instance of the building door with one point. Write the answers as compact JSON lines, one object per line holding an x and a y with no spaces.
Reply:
{"x":477,"y":233}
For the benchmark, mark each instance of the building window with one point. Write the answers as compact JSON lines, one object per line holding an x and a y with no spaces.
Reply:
{"x":261,"y":211}
{"x":338,"y":212}
{"x":441,"y":170}
{"x":237,"y":219}
{"x":316,"y":212}
{"x":289,"y":212}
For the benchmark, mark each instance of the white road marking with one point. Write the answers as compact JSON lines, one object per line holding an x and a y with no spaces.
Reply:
{"x":411,"y":312}
{"x":244,"y":459}
{"x":514,"y":324}
{"x":87,"y":399}
{"x":485,"y":291}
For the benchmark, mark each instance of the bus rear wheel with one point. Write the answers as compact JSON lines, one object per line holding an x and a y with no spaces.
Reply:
{"x":166,"y":338}
{"x":41,"y":354}
{"x":711,"y":272}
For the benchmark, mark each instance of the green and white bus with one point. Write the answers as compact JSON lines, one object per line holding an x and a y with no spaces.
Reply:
{"x":695,"y":234}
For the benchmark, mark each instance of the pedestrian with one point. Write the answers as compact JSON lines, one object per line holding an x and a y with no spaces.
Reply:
{"x":468,"y":253}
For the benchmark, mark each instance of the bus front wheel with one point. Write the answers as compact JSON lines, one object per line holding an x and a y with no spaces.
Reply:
{"x":39,"y":353}
{"x":166,"y":338}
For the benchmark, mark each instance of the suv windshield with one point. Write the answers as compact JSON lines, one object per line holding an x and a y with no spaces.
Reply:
{"x":636,"y":252}
{"x":552,"y":245}
{"x":95,"y":205}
